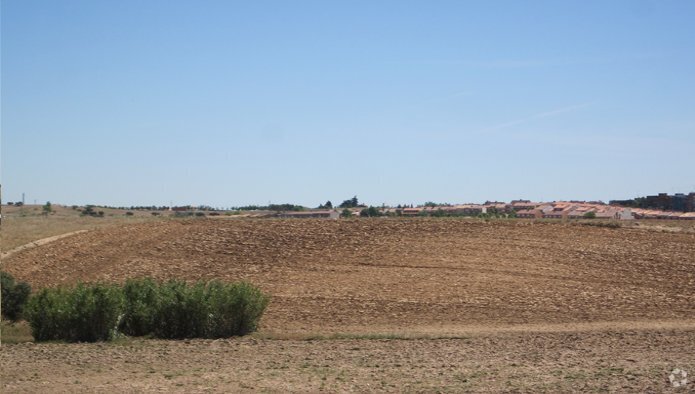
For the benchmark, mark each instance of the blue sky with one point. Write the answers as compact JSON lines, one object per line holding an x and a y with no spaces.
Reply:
{"x":228,"y":103}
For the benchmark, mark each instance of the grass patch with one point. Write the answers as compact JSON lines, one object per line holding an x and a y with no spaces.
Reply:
{"x":18,"y":332}
{"x":602,"y":224}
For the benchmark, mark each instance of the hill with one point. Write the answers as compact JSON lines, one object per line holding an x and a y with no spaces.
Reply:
{"x":425,"y":276}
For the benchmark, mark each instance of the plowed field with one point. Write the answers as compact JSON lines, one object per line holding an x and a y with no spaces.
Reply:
{"x":389,"y":305}
{"x":383,"y":275}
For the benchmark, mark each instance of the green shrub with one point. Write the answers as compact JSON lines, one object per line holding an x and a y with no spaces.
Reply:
{"x":181,"y":311}
{"x":612,"y":225}
{"x":14,"y":296}
{"x":175,"y":310}
{"x":141,"y":299}
{"x":170,"y":310}
{"x":84,"y":313}
{"x":234,"y":309}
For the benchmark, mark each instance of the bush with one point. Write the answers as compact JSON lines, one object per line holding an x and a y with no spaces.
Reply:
{"x":170,"y":310}
{"x":215,"y":310}
{"x":14,"y":296}
{"x":181,"y":311}
{"x":84,"y":313}
{"x":141,"y":298}
{"x":612,"y":225}
{"x":370,"y":212}
{"x":234,"y":309}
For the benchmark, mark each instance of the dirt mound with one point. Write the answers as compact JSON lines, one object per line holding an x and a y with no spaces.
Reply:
{"x":377,"y":275}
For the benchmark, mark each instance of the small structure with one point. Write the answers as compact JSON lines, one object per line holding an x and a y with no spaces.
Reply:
{"x":318,"y":214}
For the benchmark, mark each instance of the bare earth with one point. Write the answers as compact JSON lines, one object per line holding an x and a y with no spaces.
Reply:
{"x":630,"y":361}
{"x":498,"y":306}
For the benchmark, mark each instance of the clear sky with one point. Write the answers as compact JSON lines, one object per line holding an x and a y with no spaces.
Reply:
{"x":228,"y":103}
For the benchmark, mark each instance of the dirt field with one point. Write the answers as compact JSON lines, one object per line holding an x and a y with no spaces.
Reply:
{"x":500,"y":306}
{"x":630,"y":361}
{"x":22,"y":225}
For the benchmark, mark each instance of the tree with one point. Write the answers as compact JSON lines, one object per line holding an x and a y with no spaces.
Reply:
{"x":89,"y":211}
{"x":370,"y":212}
{"x":327,"y":205}
{"x":47,"y":208}
{"x":346,"y":213}
{"x":439,"y":213}
{"x":590,"y":215}
{"x":351,"y":203}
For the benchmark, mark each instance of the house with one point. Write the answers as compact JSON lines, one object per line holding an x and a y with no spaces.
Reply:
{"x":529,"y":214}
{"x":327,"y":214}
{"x":521,"y":205}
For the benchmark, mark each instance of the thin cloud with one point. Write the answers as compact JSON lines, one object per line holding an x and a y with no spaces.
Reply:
{"x":553,"y":62}
{"x":527,"y":119}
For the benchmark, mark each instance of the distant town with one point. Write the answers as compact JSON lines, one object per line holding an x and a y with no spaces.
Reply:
{"x":678,"y":206}
{"x":661,"y":206}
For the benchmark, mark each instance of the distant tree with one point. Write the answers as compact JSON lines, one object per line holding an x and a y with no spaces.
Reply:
{"x":47,"y":208}
{"x":590,"y":215}
{"x":439,"y":213}
{"x":327,"y":205}
{"x":89,"y":211}
{"x":370,"y":212}
{"x":351,"y":203}
{"x":346,"y":213}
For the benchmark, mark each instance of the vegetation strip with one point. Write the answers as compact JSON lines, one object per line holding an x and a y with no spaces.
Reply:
{"x":144,"y":307}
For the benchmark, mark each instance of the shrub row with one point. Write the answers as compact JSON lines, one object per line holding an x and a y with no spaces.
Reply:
{"x":84,"y":313}
{"x":171,"y":310}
